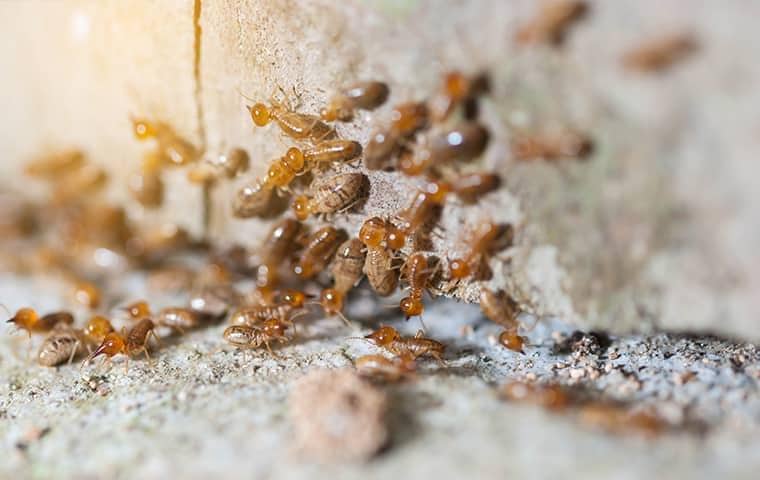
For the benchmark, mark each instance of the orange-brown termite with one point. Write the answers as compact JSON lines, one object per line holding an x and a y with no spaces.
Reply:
{"x":87,"y":294}
{"x":253,"y":200}
{"x":487,"y":239}
{"x":84,"y":181}
{"x":502,"y":309}
{"x":374,"y":231}
{"x":243,"y":336}
{"x":361,"y":95}
{"x":660,"y":53}
{"x":424,"y":208}
{"x":28,"y":319}
{"x":379,"y":264}
{"x":418,"y":346}
{"x":132,"y":343}
{"x":55,"y":164}
{"x":179,"y":319}
{"x":319,"y":250}
{"x":418,"y":270}
{"x":472,"y":187}
{"x":331,"y":151}
{"x":457,"y":89}
{"x":347,"y":271}
{"x":172,"y":148}
{"x":552,"y":146}
{"x":280,"y":243}
{"x":551,"y":396}
{"x":552,"y":22}
{"x":462,"y":143}
{"x":147,"y":185}
{"x":380,"y":368}
{"x":406,"y":120}
{"x":299,"y":126}
{"x":137,"y":310}
{"x":333,"y":194}
{"x":61,"y":345}
{"x":96,"y":329}
{"x":255,"y":315}
{"x":232,"y":163}
{"x":214,"y":300}
{"x":620,"y":418}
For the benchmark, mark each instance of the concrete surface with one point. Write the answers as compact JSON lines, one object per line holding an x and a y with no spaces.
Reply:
{"x":205,"y":409}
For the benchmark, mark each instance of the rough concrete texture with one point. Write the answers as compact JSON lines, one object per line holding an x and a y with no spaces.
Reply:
{"x":204,"y":409}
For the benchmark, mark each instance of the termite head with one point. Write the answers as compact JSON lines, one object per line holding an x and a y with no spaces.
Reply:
{"x":512,"y":341}
{"x":331,"y":301}
{"x":24,"y":319}
{"x":411,"y":307}
{"x":112,"y":344}
{"x":384,"y":335}
{"x":275,"y":328}
{"x":143,"y":129}
{"x":260,"y":114}
{"x":294,"y":298}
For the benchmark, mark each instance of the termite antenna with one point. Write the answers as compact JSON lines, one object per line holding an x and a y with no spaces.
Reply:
{"x":244,"y":95}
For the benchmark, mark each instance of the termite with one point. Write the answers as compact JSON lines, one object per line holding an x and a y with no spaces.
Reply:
{"x":347,"y":271}
{"x":551,"y":396}
{"x":418,"y":270}
{"x":62,"y":345}
{"x":333,"y":194}
{"x":253,"y":200}
{"x":472,"y":187}
{"x":96,"y":329}
{"x":331,"y":151}
{"x":660,"y":53}
{"x":55,"y":164}
{"x":552,"y":147}
{"x":147,"y":185}
{"x":296,"y":125}
{"x":374,"y":231}
{"x":457,"y":89}
{"x":178,"y":318}
{"x":243,"y":336}
{"x":424,"y":208}
{"x":553,"y":21}
{"x":487,"y":239}
{"x":380,"y":368}
{"x":214,"y":300}
{"x":319,"y":250}
{"x":232,"y":163}
{"x":379,"y":264}
{"x":502,"y":309}
{"x":619,"y":418}
{"x":362,"y":95}
{"x":172,"y":147}
{"x":418,"y":346}
{"x":462,"y":143}
{"x":86,"y":180}
{"x":258,"y":314}
{"x":87,"y":294}
{"x":137,"y":310}
{"x":406,"y":120}
{"x":28,"y":319}
{"x":130,"y":344}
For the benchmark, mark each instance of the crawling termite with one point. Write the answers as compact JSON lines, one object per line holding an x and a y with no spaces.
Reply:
{"x":129,"y":344}
{"x":334,"y":194}
{"x":361,"y":95}
{"x":418,"y":346}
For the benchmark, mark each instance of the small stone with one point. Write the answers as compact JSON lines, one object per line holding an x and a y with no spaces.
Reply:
{"x":337,"y":416}
{"x":577,"y":373}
